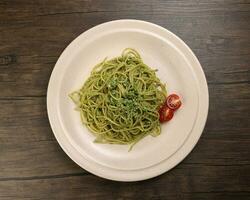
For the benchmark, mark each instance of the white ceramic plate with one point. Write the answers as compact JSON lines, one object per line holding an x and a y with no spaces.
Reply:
{"x":177,"y":67}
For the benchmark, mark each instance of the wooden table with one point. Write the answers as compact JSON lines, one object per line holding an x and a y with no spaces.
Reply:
{"x":32,"y":36}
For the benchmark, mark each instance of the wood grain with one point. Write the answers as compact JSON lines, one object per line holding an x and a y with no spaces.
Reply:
{"x":32,"y":36}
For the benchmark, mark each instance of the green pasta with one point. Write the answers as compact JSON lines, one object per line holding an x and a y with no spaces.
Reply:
{"x":119,"y":102}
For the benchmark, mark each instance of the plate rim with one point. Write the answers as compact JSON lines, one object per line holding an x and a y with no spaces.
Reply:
{"x":101,"y":172}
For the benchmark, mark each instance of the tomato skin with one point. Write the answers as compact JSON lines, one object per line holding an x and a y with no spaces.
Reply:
{"x":173,"y":101}
{"x":165,"y":113}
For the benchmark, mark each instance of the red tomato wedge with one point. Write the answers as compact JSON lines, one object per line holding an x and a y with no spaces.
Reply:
{"x":173,"y":101}
{"x":166,"y":114}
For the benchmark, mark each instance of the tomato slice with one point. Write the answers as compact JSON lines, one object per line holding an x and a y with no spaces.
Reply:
{"x":173,"y":102}
{"x":166,"y":114}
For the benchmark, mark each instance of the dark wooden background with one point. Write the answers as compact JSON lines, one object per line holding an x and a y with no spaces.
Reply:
{"x":32,"y":36}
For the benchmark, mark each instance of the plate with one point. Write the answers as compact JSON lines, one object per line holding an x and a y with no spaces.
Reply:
{"x":177,"y":67}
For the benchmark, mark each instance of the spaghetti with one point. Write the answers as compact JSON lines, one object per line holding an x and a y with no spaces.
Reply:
{"x":119,"y":102}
